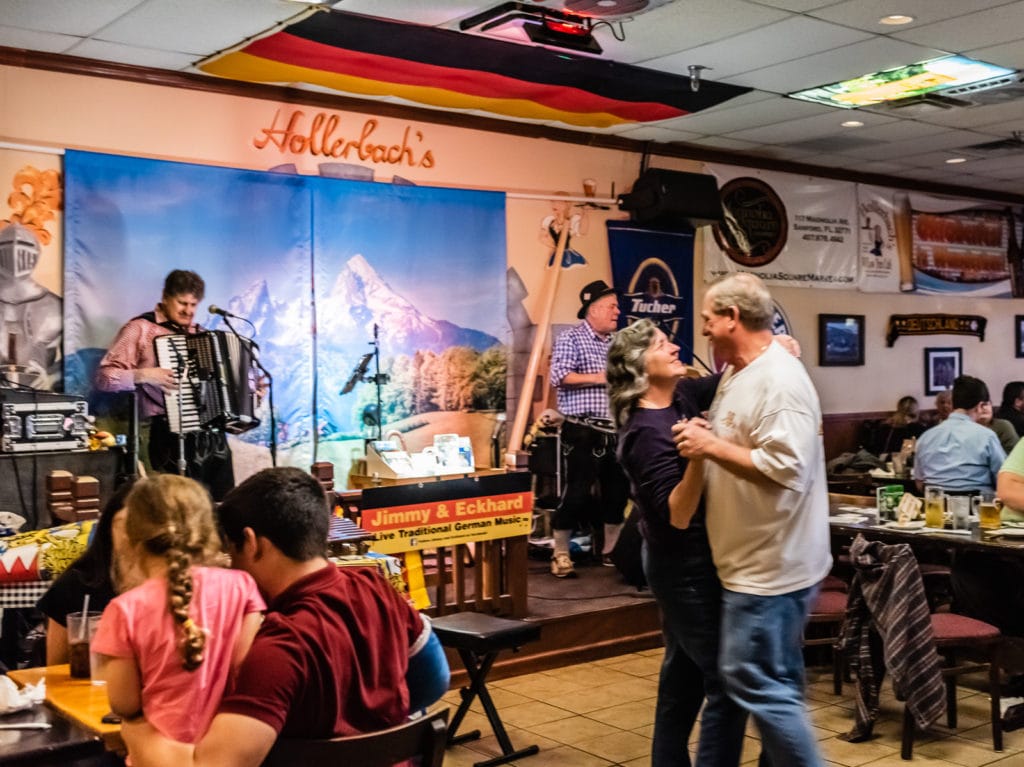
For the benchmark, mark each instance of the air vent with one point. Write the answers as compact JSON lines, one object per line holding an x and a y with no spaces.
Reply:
{"x":1005,"y":146}
{"x":928,"y":103}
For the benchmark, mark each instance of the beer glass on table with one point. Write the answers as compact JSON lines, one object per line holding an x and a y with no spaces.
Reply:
{"x":934,"y":507}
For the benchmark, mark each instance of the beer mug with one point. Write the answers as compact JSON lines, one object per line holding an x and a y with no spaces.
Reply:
{"x":959,"y":508}
{"x":987,"y":507}
{"x":934,"y":507}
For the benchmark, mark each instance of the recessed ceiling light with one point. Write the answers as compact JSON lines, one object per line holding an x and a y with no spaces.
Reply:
{"x":955,"y":160}
{"x":895,"y":19}
{"x":852,"y":124}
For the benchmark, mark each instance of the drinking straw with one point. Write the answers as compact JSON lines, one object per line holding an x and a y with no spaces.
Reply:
{"x":84,"y":630}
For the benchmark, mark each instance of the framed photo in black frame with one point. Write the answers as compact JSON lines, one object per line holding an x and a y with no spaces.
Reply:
{"x":840,"y":339}
{"x":941,"y":368}
{"x":1018,"y":334}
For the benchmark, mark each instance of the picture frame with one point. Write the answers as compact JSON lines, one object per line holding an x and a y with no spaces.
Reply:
{"x":840,"y":340}
{"x":941,"y":367}
{"x":1018,"y":327}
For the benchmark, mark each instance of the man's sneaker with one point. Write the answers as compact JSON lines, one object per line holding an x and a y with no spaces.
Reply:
{"x":606,"y":560}
{"x":561,"y":566}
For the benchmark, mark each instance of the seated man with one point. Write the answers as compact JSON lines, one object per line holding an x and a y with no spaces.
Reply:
{"x":960,"y":453}
{"x":332,"y":655}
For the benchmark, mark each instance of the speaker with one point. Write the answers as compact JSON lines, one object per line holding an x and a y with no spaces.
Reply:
{"x":673,"y":199}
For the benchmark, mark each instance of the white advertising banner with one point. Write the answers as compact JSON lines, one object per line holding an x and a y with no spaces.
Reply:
{"x":788,"y":229}
{"x":927,"y":244}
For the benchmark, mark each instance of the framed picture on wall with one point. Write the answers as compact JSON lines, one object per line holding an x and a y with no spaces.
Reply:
{"x":1018,"y":334}
{"x":941,"y":367}
{"x":840,"y":339}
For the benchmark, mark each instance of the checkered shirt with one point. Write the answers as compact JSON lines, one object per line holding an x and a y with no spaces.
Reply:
{"x":580,"y":350}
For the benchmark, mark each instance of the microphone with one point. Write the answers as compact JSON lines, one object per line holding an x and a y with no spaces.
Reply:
{"x":214,"y":309}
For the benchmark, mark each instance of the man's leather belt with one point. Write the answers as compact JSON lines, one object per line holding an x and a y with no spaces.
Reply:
{"x":601,"y":424}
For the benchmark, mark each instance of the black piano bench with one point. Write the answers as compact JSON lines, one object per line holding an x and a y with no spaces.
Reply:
{"x":479,"y":638}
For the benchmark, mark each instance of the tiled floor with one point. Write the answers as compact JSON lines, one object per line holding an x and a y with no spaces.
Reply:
{"x":602,"y":713}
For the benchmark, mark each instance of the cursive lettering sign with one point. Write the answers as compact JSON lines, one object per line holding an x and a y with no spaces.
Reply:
{"x":323,"y":136}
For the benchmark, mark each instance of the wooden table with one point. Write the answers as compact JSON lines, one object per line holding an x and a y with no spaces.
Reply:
{"x":977,"y":540}
{"x":78,"y":699}
{"x":63,"y":743}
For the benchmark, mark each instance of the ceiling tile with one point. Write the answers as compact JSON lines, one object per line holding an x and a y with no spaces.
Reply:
{"x":843,"y":63}
{"x":721,"y":142}
{"x":196,"y":26}
{"x":129,"y":54}
{"x":864,"y":14}
{"x":681,"y":25}
{"x":797,"y":6}
{"x":48,"y":42}
{"x":978,"y":116}
{"x":777,"y":109}
{"x":983,"y":28}
{"x":1009,"y":55}
{"x":897,"y":130}
{"x":657,"y":133}
{"x":74,"y":18}
{"x":760,"y":47}
{"x":436,"y":13}
{"x":819,"y":125}
{"x":953,"y":139}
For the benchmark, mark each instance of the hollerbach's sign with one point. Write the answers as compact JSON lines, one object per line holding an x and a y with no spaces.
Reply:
{"x":934,"y":324}
{"x":323,"y":136}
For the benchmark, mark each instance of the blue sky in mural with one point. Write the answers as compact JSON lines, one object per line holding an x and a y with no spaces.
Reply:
{"x":428,"y":265}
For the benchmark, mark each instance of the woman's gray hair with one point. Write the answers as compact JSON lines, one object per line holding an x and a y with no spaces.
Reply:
{"x":627,"y":370}
{"x":747,"y":292}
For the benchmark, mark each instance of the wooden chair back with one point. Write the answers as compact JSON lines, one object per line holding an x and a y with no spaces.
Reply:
{"x":423,"y":738}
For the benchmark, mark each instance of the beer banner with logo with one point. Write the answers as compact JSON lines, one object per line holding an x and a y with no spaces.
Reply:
{"x":653,"y":272}
{"x":928,"y":244}
{"x":788,"y":229}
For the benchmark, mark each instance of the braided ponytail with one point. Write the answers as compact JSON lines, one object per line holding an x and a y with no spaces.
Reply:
{"x":172,"y":516}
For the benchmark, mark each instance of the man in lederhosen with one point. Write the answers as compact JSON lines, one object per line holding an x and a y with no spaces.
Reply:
{"x":130,"y":363}
{"x":578,"y":363}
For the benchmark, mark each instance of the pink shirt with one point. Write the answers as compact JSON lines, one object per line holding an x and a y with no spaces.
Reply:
{"x":132,"y":348}
{"x":180,"y":704}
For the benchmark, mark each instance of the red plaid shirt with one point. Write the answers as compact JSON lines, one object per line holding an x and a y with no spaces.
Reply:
{"x":132,"y":349}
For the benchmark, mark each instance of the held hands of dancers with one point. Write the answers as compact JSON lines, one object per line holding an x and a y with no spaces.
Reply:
{"x":693,"y":437}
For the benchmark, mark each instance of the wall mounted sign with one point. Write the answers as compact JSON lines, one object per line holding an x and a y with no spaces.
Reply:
{"x":787,"y":229}
{"x":756,"y":225}
{"x":934,"y":324}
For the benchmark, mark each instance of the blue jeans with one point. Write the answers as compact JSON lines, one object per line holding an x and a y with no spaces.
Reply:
{"x":762,"y":667}
{"x":689,"y":595}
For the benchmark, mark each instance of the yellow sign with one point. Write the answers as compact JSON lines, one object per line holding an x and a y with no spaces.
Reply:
{"x":444,"y":523}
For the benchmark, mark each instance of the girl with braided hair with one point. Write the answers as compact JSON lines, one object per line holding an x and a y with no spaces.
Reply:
{"x":170,"y":645}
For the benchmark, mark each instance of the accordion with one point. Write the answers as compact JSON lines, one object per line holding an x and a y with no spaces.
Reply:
{"x":216,"y":374}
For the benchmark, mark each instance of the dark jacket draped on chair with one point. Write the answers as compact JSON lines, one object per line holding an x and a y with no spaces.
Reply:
{"x":887,"y":596}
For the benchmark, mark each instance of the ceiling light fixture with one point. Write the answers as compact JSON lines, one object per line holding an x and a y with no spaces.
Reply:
{"x":955,"y":160}
{"x":852,"y":124}
{"x":895,"y":20}
{"x":544,"y":26}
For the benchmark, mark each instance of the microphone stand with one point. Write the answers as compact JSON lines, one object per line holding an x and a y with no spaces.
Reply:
{"x":270,"y":387}
{"x":378,"y":378}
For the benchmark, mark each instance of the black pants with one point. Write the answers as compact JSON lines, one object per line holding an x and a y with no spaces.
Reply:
{"x":207,"y":456}
{"x":595,"y":489}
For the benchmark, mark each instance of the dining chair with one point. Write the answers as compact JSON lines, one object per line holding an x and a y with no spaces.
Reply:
{"x":423,"y":738}
{"x":924,"y":652}
{"x":827,"y":615}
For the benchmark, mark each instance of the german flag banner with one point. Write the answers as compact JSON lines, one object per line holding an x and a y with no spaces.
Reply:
{"x":369,"y":56}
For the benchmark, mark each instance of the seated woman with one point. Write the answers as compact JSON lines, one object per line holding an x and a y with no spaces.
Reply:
{"x":94,"y":573}
{"x":886,"y":437}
